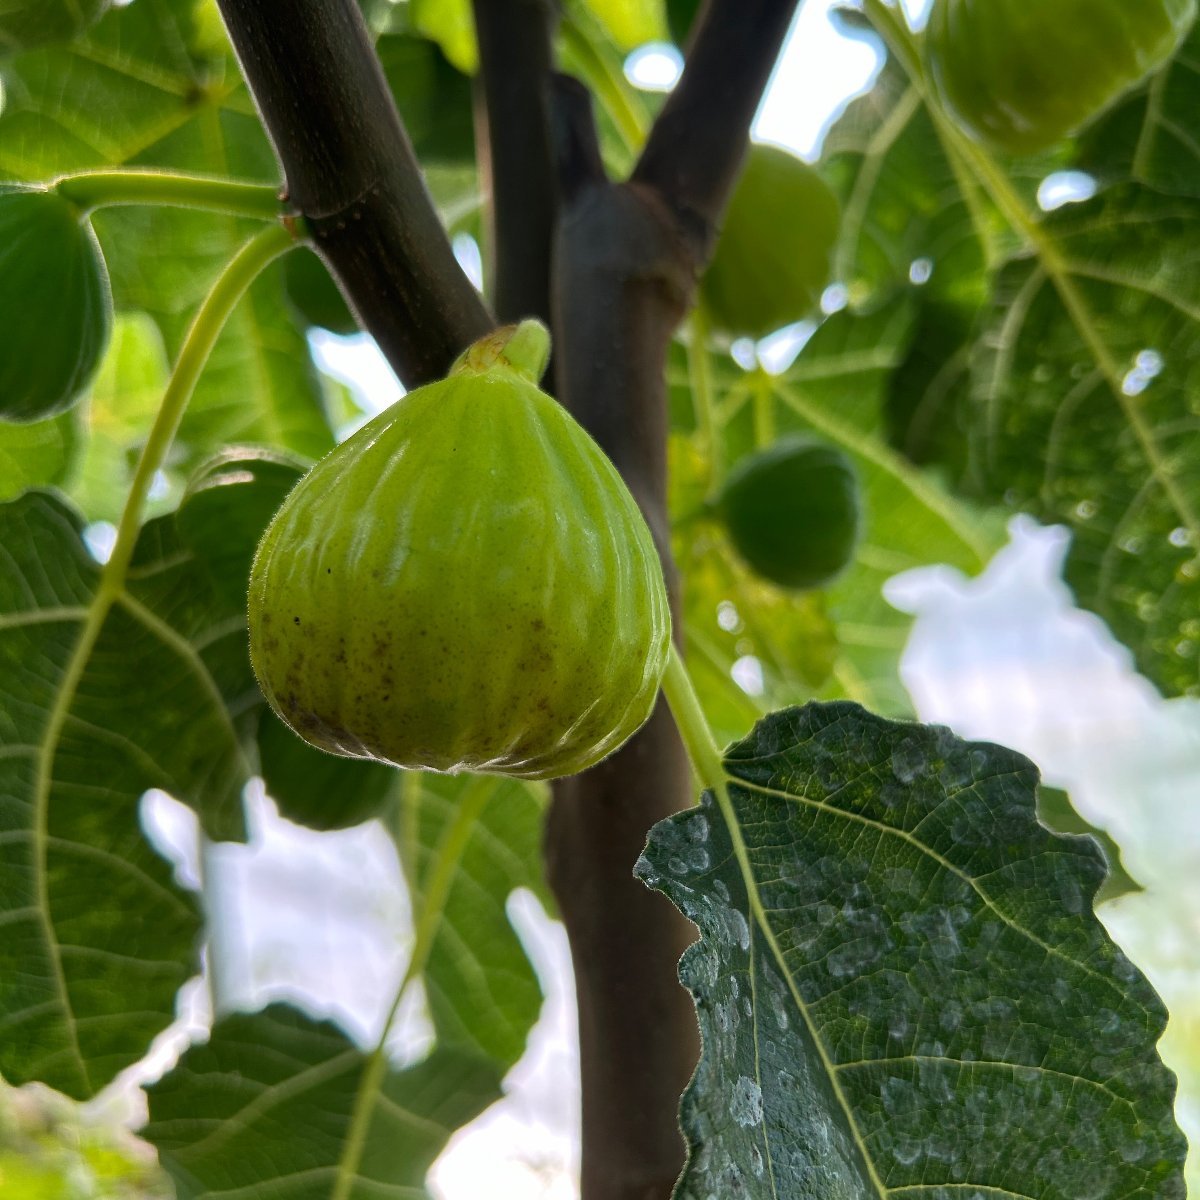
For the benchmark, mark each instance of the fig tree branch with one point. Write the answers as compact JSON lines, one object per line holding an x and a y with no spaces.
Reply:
{"x":626,"y":258}
{"x":620,"y":287}
{"x":516,"y":59}
{"x":351,"y":171}
{"x":698,"y":141}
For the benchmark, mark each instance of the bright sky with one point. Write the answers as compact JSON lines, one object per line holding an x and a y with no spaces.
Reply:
{"x":1005,"y":657}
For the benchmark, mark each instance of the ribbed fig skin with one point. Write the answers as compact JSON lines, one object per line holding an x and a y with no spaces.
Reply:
{"x":464,"y":584}
{"x":1024,"y":74}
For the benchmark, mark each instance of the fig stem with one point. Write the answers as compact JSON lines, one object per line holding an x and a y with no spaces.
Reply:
{"x":102,"y":189}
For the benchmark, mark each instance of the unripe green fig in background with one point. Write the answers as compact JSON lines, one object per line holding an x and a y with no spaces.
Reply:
{"x":55,"y":304}
{"x":1023,"y":75}
{"x":25,"y":24}
{"x":792,"y":511}
{"x":772,"y":259}
{"x":464,"y":584}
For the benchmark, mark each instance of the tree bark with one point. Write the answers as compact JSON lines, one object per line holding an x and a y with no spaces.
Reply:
{"x":351,"y":172}
{"x":622,"y":283}
{"x":626,"y":259}
{"x":516,"y":158}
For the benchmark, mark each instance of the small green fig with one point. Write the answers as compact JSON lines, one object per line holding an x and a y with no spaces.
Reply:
{"x":55,"y":304}
{"x":791,"y":511}
{"x":25,"y":24}
{"x":464,"y":584}
{"x":772,"y":260}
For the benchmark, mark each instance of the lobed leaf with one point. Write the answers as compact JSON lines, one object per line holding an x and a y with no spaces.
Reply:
{"x":901,"y":986}
{"x":102,"y":697}
{"x":272,"y":1105}
{"x":1086,"y":411}
{"x":481,"y":989}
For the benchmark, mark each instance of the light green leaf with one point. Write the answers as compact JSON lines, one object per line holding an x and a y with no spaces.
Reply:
{"x":450,"y":24}
{"x":105,"y":692}
{"x":36,"y":455}
{"x":481,"y":988}
{"x":269,"y":1106}
{"x":632,"y":23}
{"x":466,"y":843}
{"x":119,"y":410}
{"x":901,"y":986}
{"x":1087,"y":411}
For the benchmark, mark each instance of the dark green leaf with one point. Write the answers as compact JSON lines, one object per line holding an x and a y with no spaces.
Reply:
{"x":905,"y":204}
{"x":316,"y":789}
{"x":314,"y":294}
{"x":270,"y":1106}
{"x":836,"y":391}
{"x":434,"y":99}
{"x":906,"y":989}
{"x":100,"y":700}
{"x":1056,"y":812}
{"x":229,"y":502}
{"x":929,"y":390}
{"x":1151,"y":136}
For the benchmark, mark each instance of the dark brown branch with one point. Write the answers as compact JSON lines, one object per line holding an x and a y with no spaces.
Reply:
{"x":515,"y":57}
{"x":696,"y":147}
{"x":622,"y":282}
{"x":351,"y":171}
{"x":625,"y":264}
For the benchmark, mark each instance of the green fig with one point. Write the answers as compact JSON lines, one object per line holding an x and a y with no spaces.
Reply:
{"x":464,"y":584}
{"x":772,"y":260}
{"x":55,"y":304}
{"x":1022,"y":75}
{"x":791,"y":511}
{"x":25,"y":24}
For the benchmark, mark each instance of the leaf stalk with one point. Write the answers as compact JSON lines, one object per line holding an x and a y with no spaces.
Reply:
{"x":104,"y":189}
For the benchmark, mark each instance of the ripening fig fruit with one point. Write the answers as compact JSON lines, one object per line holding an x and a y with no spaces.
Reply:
{"x":55,"y":304}
{"x":1023,"y":75}
{"x":792,"y":511}
{"x":772,"y":260}
{"x":25,"y":24}
{"x":464,"y":584}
